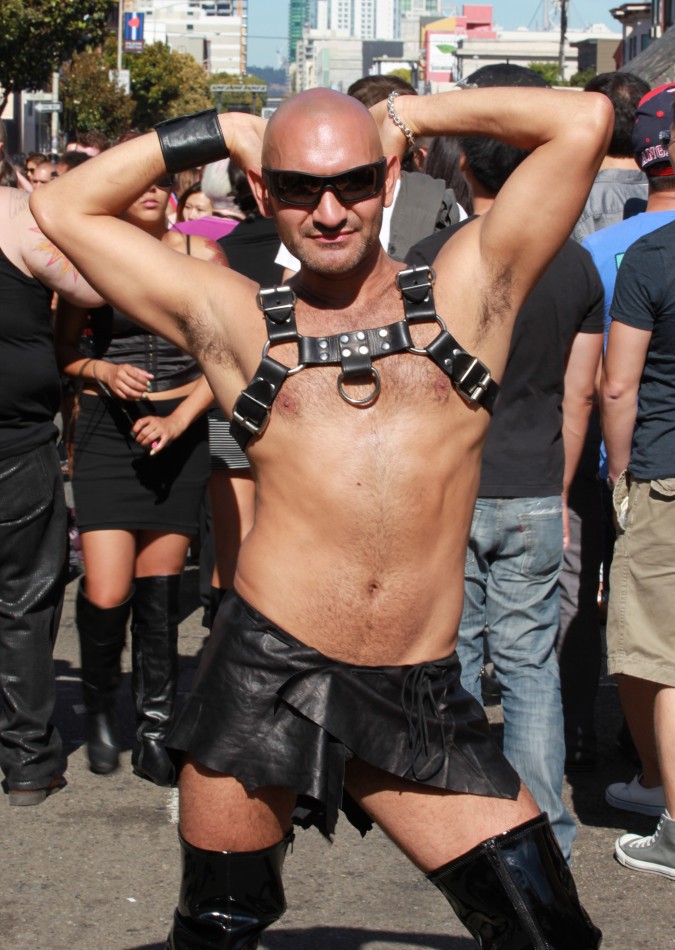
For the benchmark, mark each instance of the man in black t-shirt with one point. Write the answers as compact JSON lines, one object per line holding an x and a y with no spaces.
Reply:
{"x":532,"y":448}
{"x":638,"y":419}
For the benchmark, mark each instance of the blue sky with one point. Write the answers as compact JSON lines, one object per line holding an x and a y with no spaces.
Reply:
{"x":268,"y":21}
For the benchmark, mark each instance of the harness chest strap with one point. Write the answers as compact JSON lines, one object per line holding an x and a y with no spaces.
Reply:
{"x":354,"y":351}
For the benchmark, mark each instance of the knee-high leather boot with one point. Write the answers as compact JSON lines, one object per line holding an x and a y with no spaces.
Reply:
{"x":154,"y":645}
{"x":102,"y":633}
{"x":516,"y":892}
{"x":228,"y":898}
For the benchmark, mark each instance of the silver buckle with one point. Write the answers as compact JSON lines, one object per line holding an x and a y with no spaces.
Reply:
{"x":480,"y":388}
{"x":247,"y":424}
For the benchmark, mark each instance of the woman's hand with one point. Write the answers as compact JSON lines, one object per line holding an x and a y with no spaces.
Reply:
{"x":123,"y":380}
{"x":155,"y":433}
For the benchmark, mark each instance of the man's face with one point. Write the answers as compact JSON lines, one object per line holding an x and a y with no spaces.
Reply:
{"x":331,"y":236}
{"x":43,"y":174}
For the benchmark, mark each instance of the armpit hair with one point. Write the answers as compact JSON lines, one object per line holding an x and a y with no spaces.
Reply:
{"x":205,"y":341}
{"x":496,"y":298}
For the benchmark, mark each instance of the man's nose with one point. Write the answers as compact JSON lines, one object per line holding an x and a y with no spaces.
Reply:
{"x":329,"y":212}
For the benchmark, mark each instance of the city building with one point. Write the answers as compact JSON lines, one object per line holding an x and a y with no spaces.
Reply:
{"x":214,"y":32}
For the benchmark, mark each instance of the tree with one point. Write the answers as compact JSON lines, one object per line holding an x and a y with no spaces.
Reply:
{"x":404,"y":74}
{"x":91,"y":100}
{"x":580,"y":79}
{"x":165,"y":84}
{"x":36,"y":36}
{"x":549,"y":71}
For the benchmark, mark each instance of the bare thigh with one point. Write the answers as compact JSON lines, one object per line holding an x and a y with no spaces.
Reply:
{"x":432,"y":826}
{"x":109,"y":558}
{"x":217,"y":813}
{"x":160,"y":553}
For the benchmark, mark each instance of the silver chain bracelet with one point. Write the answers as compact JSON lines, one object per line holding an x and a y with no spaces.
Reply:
{"x":397,"y":120}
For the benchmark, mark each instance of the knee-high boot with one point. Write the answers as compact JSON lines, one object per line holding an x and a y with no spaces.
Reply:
{"x":102,"y":633}
{"x":154,"y":645}
{"x":516,"y":892}
{"x":227,"y":898}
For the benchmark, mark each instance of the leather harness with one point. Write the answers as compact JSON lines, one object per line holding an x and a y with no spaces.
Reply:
{"x":354,"y":351}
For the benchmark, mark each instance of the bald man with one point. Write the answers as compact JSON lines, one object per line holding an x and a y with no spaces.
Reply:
{"x":330,"y":677}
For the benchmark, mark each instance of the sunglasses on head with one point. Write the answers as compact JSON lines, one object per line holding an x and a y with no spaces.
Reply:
{"x":298,"y":188}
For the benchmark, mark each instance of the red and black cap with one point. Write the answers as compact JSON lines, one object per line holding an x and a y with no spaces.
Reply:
{"x":651,"y":132}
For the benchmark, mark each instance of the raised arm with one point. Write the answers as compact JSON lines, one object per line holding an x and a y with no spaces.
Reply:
{"x":140,"y":275}
{"x":536,"y":209}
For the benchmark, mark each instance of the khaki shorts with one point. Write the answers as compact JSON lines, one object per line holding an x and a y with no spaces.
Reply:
{"x":641,"y":615}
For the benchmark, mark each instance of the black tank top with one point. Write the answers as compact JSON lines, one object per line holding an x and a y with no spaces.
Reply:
{"x":30,"y":385}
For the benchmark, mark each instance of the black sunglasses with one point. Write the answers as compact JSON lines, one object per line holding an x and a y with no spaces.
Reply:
{"x":298,"y":188}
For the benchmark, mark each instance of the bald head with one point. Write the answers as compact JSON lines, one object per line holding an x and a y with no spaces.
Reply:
{"x":315,"y":120}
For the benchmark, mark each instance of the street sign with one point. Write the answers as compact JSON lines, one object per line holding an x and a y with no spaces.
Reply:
{"x":238,"y":87}
{"x":48,"y":106}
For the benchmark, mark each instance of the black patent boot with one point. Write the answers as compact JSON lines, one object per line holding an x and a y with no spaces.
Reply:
{"x":227,"y":898}
{"x":516,"y":892}
{"x":154,"y":646}
{"x":102,"y":633}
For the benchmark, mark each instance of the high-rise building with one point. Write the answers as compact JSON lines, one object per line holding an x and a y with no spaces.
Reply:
{"x":298,"y":18}
{"x":214,"y":32}
{"x":422,"y":7}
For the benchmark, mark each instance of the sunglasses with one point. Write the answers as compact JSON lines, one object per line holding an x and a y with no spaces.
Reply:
{"x":298,"y":188}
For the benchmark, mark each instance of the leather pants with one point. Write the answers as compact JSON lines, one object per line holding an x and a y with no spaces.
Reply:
{"x":33,"y":571}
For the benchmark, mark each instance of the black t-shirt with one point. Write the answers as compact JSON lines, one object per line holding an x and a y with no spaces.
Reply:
{"x":644,"y":298}
{"x":523,"y":456}
{"x":30,"y":387}
{"x":251,"y":250}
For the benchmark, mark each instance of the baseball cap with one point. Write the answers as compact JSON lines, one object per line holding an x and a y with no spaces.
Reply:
{"x":651,"y":132}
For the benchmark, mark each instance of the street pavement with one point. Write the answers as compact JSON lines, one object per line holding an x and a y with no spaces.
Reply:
{"x":96,"y":867}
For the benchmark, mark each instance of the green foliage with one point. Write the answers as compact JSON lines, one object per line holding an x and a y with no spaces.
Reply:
{"x":91,"y":100}
{"x":404,"y":74}
{"x":238,"y":101}
{"x":36,"y":36}
{"x":549,"y":71}
{"x":580,"y":79}
{"x":165,"y":84}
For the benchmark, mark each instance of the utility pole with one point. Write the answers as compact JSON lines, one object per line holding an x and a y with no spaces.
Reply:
{"x":563,"y":37}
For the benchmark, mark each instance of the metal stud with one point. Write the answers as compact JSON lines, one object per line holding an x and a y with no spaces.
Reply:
{"x":346,"y":352}
{"x":360,"y":335}
{"x":344,"y":338}
{"x":363,"y":350}
{"x":386,"y":346}
{"x":323,"y":356}
{"x":323,"y":344}
{"x":383,"y":332}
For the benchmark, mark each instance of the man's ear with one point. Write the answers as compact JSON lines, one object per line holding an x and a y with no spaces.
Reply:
{"x":259,"y":189}
{"x":393,"y":175}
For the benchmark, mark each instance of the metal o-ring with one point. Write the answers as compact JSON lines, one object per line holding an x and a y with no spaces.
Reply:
{"x":367,"y":399}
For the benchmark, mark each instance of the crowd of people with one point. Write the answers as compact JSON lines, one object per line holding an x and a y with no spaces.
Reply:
{"x":374,"y":556}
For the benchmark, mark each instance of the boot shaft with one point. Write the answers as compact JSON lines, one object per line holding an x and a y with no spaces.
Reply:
{"x":516,"y":892}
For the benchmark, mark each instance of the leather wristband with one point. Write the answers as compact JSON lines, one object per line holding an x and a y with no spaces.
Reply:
{"x":191,"y":140}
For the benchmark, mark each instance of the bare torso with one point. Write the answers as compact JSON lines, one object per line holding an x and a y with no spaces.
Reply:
{"x":363,"y":513}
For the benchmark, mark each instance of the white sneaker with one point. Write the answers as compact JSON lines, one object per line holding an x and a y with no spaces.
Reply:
{"x":633,"y":796}
{"x":655,"y":853}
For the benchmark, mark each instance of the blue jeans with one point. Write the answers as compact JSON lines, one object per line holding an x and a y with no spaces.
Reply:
{"x":511,"y":596}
